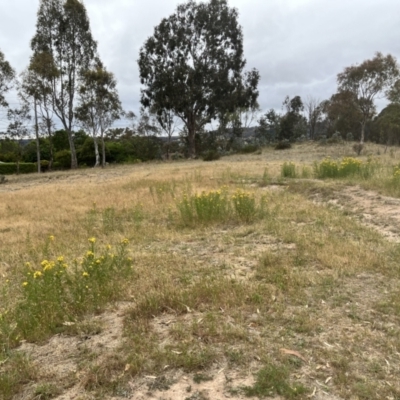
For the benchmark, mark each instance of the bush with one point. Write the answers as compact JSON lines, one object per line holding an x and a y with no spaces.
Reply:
{"x":349,"y":166}
{"x":218,"y":206}
{"x":44,"y":165}
{"x":11,"y":168}
{"x":283,"y":145}
{"x":63,"y":159}
{"x":56,"y":291}
{"x":349,"y":137}
{"x":358,"y":147}
{"x":335,"y":138}
{"x":211,"y":155}
{"x":249,"y":148}
{"x":288,"y":170}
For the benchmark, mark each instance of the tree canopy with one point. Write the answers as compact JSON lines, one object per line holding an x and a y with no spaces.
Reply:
{"x":193,"y":65}
{"x":62,"y":48}
{"x":366,"y":81}
{"x":7,"y":75}
{"x":99,"y":104}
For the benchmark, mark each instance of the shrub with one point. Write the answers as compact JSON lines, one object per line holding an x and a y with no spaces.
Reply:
{"x":244,"y":205}
{"x":350,"y":137}
{"x":44,"y":165}
{"x":326,"y":169}
{"x":56,"y":291}
{"x":288,"y":170}
{"x":358,"y":147}
{"x":217,"y":206}
{"x":335,"y":138}
{"x":204,"y":207}
{"x":63,"y":158}
{"x":250,"y":148}
{"x":283,"y":145}
{"x":11,"y":168}
{"x":349,"y":166}
{"x":396,"y":174}
{"x":211,"y":155}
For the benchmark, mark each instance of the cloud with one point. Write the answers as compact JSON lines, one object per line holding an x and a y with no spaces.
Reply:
{"x":299,"y":46}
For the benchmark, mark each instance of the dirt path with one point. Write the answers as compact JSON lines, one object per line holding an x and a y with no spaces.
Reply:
{"x":379,"y":212}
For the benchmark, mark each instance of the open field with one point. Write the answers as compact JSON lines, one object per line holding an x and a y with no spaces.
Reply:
{"x":203,"y":280}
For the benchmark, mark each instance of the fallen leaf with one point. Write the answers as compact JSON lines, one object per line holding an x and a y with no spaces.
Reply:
{"x":293,"y":353}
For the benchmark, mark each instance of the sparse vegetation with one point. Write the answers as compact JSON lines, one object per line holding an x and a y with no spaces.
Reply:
{"x":203,"y":269}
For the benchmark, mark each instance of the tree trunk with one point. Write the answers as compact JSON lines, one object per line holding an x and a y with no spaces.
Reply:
{"x":96,"y":151}
{"x":363,"y":123}
{"x":191,"y":125}
{"x":37,"y":139}
{"x":103,"y":151}
{"x":74,"y":160}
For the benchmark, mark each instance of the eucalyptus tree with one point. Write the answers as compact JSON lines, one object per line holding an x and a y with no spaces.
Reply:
{"x":99,"y":105}
{"x":7,"y":75}
{"x":366,"y":82}
{"x":193,"y":65}
{"x":314,"y":113}
{"x":168,"y":124}
{"x":64,"y":42}
{"x":18,"y":127}
{"x":35,"y":87}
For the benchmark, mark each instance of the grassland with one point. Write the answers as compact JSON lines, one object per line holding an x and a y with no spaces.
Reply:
{"x":246,"y":276}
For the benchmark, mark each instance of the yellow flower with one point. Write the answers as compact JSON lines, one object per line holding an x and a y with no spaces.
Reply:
{"x":44,"y":263}
{"x":85,"y":274}
{"x":51,"y":238}
{"x":90,"y":254}
{"x":108,"y":247}
{"x":60,"y":259}
{"x":125,"y":241}
{"x":92,"y":240}
{"x":28,"y":264}
{"x":37,"y":274}
{"x":65,"y":265}
{"x":25,"y":284}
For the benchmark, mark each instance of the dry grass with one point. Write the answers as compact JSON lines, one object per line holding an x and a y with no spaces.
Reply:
{"x":306,"y":276}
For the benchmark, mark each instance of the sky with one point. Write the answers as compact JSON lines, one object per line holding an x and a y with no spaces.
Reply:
{"x":298,"y":46}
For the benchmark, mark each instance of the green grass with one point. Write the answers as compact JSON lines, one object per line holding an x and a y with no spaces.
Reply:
{"x":274,"y":380}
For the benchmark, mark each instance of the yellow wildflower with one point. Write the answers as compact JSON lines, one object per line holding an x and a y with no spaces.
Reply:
{"x":125,"y":241}
{"x":60,"y":259}
{"x":25,"y":284}
{"x":51,"y":238}
{"x":37,"y":274}
{"x":85,"y":274}
{"x":92,"y":240}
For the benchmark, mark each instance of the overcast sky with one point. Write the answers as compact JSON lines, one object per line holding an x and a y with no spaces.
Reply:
{"x":298,"y":46}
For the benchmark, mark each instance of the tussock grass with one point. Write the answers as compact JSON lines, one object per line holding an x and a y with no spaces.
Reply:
{"x":247,"y":263}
